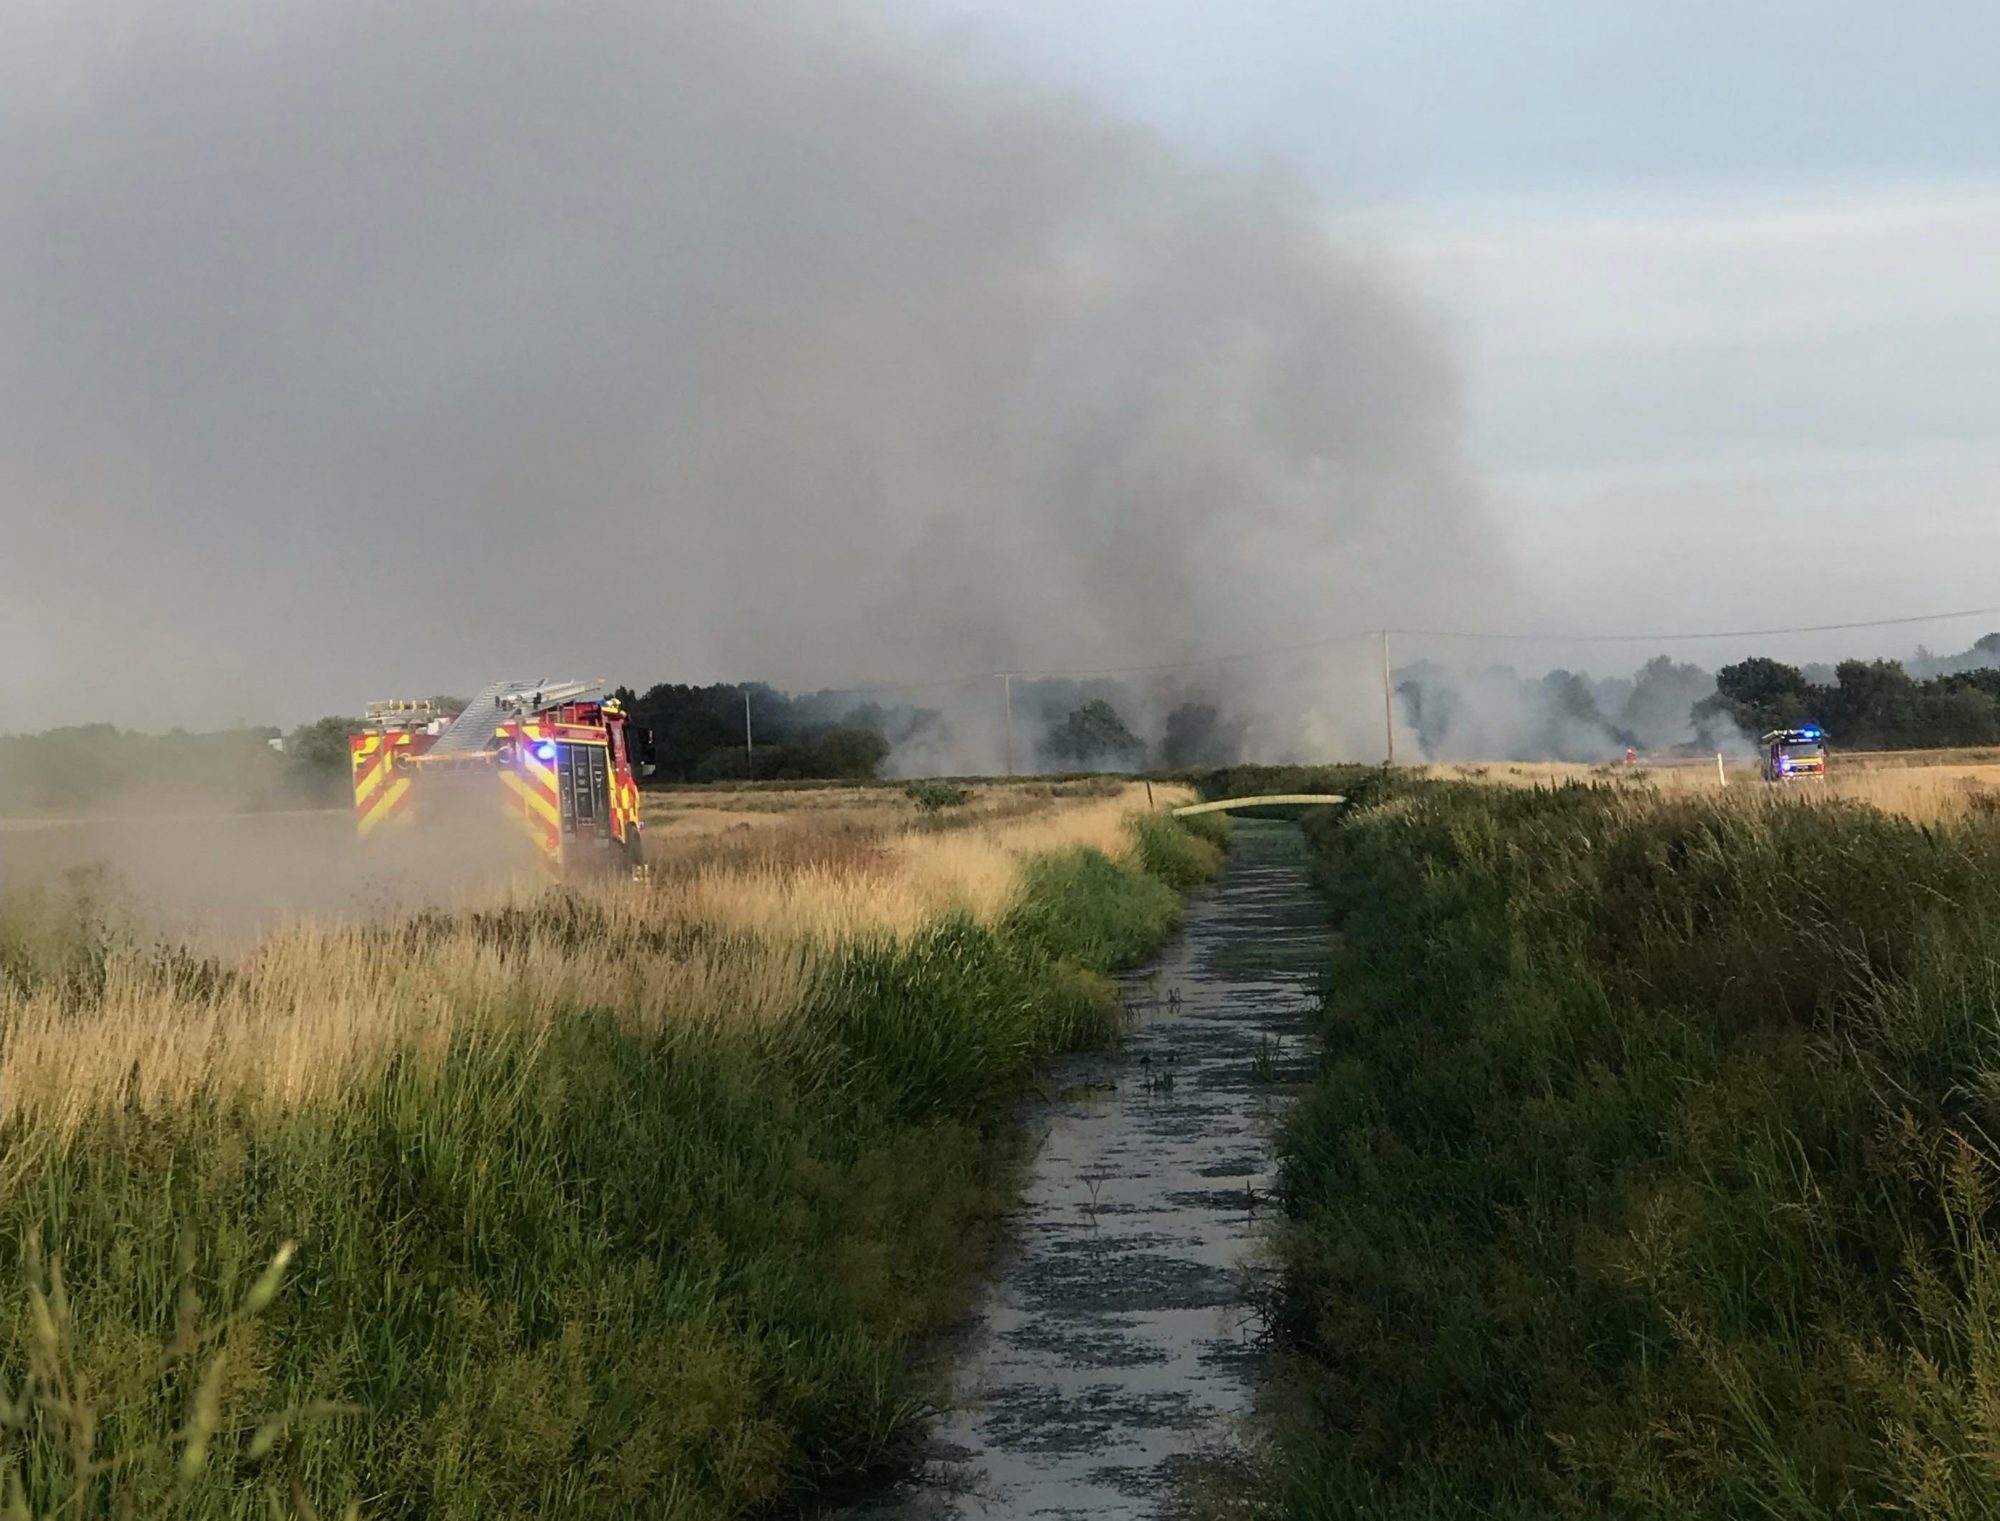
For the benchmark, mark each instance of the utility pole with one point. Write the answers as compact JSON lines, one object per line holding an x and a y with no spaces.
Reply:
{"x":749,"y":746}
{"x":1388,"y":705}
{"x":1007,"y":697}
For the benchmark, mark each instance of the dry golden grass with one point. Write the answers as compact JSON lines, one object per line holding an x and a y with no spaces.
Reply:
{"x":1929,"y":794}
{"x":1696,"y":777}
{"x":797,"y":883}
{"x":320,"y":1007}
{"x":674,"y":815}
{"x":731,"y":927}
{"x":1924,"y":788}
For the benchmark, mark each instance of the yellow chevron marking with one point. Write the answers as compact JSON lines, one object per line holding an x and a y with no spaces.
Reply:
{"x":370,"y":782}
{"x":531,"y":825}
{"x":534,"y":797}
{"x":539,"y":769}
{"x":388,"y":801}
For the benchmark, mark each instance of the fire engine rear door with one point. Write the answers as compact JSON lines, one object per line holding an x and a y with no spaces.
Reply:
{"x":583,"y":776}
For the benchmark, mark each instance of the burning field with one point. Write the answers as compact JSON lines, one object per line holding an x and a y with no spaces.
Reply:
{"x":216,"y":877}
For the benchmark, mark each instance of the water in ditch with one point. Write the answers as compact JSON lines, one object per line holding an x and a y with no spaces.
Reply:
{"x":1116,"y":1342}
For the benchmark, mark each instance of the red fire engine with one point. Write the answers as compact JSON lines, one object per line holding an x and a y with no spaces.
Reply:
{"x":556,"y":758}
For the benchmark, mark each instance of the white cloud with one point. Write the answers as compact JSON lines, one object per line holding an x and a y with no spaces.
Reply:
{"x":1687,"y":404}
{"x":1725,"y":271}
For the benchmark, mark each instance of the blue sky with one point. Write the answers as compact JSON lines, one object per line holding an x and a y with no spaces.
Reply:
{"x":1501,"y":97}
{"x":1723,"y":280}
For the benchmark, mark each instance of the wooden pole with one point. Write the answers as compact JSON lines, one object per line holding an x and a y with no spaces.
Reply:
{"x":1388,"y":706}
{"x":1007,"y":696}
{"x":749,"y":745}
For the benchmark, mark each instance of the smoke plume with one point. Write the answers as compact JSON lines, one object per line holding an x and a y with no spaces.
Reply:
{"x":355,"y":348}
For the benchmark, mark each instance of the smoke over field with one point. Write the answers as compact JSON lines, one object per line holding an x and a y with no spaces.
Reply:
{"x":358,"y":348}
{"x":1497,"y":713}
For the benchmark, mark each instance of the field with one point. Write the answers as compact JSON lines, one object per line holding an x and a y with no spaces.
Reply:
{"x":1651,"y":1167}
{"x":628,"y":1199}
{"x":1648,"y":1170}
{"x":219,"y":877}
{"x":1924,"y":785}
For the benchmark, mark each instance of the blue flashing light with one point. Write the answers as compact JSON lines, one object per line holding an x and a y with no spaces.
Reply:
{"x":546,"y":750}
{"x":1810,"y":733}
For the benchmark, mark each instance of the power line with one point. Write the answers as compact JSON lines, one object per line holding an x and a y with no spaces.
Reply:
{"x":937,"y":685}
{"x":1683,"y":638}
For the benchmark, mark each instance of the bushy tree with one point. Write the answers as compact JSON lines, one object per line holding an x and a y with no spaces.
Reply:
{"x":1576,"y":726}
{"x":852,"y":754}
{"x":1757,"y":695}
{"x":698,"y":732}
{"x":834,"y":755}
{"x":1664,"y":693}
{"x":1969,"y":714}
{"x":1092,"y":736}
{"x":1196,"y":734}
{"x":316,"y":758}
{"x":1875,"y":705}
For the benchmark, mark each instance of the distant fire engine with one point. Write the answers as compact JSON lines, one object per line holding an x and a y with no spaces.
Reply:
{"x":1789,"y":755}
{"x":553,"y":759}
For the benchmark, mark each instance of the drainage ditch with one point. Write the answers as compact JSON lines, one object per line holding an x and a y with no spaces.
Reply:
{"x":1116,"y":1345}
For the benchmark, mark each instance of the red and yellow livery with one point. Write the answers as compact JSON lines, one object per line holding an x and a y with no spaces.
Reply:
{"x":554,"y":759}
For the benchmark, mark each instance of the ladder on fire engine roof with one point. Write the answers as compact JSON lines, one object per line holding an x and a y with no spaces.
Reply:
{"x":472,"y":730}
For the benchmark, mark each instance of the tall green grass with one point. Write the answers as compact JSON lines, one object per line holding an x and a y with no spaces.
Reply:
{"x":1182,"y":852}
{"x":567,"y":1271}
{"x":1651,"y":1171}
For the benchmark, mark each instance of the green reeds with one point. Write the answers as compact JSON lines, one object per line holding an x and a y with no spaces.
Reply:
{"x":1650,"y":1172}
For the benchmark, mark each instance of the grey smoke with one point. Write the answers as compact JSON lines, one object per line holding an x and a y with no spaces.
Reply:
{"x":349,"y":349}
{"x":1462,"y":713}
{"x":1983,"y":655}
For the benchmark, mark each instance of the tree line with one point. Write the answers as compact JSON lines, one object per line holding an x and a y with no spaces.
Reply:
{"x":1929,"y":701}
{"x":705,"y":734}
{"x":1868,"y":705}
{"x":699,"y":735}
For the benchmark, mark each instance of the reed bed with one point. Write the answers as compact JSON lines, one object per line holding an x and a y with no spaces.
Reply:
{"x":1652,"y":1168}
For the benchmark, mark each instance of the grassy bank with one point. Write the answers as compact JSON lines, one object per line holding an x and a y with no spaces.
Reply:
{"x":605,"y":1204}
{"x":1651,"y":1172}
